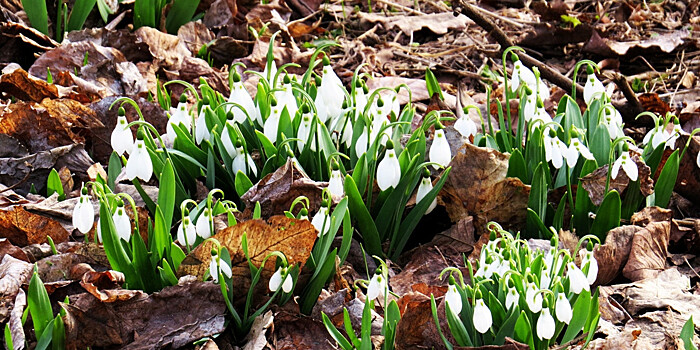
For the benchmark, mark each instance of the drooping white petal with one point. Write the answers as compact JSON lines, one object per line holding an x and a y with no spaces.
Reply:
{"x":222,"y":267}
{"x":630,"y":168}
{"x":440,"y":152}
{"x":275,"y":280}
{"x":616,"y":168}
{"x":285,"y":98}
{"x":321,"y":221}
{"x":453,"y":299}
{"x":288,"y":283}
{"x":122,"y":140}
{"x":388,"y":171}
{"x":512,"y":298}
{"x":465,"y":126}
{"x":239,"y":163}
{"x":335,"y":184}
{"x":592,"y":273}
{"x":272,"y":123}
{"x":178,"y":116}
{"x":203,"y":226}
{"x":139,"y":163}
{"x":227,"y":141}
{"x":533,"y":299}
{"x":592,"y":88}
{"x":377,"y":287}
{"x":186,"y":233}
{"x":425,"y":186}
{"x":545,"y":325}
{"x":201,"y":131}
{"x":122,"y":224}
{"x":482,"y":317}
{"x":361,"y":144}
{"x":562,"y":309}
{"x":240,"y":95}
{"x":522,"y":75}
{"x":697,"y":160}
{"x":83,"y":214}
{"x":577,"y":280}
{"x":571,"y":156}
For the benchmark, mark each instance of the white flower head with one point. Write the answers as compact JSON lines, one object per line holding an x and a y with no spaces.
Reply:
{"x":322,"y":221}
{"x":426,"y":185}
{"x":336,"y":181}
{"x":613,"y":122}
{"x":554,"y":148}
{"x":627,"y":164}
{"x":285,"y":97}
{"x":276,"y":280}
{"x":592,"y":88}
{"x":545,"y":324}
{"x":139,"y":163}
{"x":482,"y":317}
{"x":522,"y":75}
{"x":453,"y":299}
{"x":122,"y":140}
{"x":83,"y":213}
{"x":512,"y":298}
{"x":186,"y":232}
{"x":272,"y":122}
{"x":533,"y":298}
{"x":243,"y":162}
{"x":219,"y":265}
{"x":240,"y":96}
{"x":377,"y":286}
{"x":576,"y":148}
{"x":201,"y":131}
{"x":562,"y":309}
{"x":577,"y":280}
{"x":590,"y":261}
{"x":204,"y":224}
{"x":178,"y":115}
{"x":440,"y":152}
{"x":466,"y":127}
{"x":122,"y":224}
{"x":389,"y":169}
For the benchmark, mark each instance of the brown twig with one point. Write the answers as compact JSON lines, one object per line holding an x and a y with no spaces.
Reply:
{"x":634,"y":107}
{"x":500,"y":36}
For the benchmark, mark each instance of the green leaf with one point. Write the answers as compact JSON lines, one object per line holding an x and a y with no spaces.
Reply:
{"x":459,"y":332}
{"x":538,"y":198}
{"x":432,"y":84}
{"x":39,"y":305}
{"x":9,"y":344}
{"x":79,"y":13}
{"x":242,"y":183}
{"x":608,"y":215}
{"x":44,"y":340}
{"x":166,"y":193}
{"x":582,"y":203}
{"x":517,"y":167}
{"x":433,"y":309}
{"x":600,"y":144}
{"x":580,"y":314}
{"x":104,"y":9}
{"x":314,"y":287}
{"x":58,"y":341}
{"x":667,"y":180}
{"x":54,"y":185}
{"x":37,"y":14}
{"x":687,"y":334}
{"x":337,"y":336}
{"x":364,"y":220}
{"x":114,"y":169}
{"x":523,"y":330}
{"x":507,"y":327}
{"x":180,"y":13}
{"x":167,"y":274}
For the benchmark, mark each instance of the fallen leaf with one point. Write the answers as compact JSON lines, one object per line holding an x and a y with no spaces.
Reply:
{"x":13,"y":274}
{"x":168,"y":50}
{"x":57,"y":267}
{"x":256,"y":340}
{"x":24,"y":87}
{"x":666,"y":43}
{"x":21,"y":43}
{"x":651,"y":102}
{"x":651,"y":214}
{"x":23,"y":228}
{"x":194,"y":35}
{"x":417,"y":329}
{"x":613,"y":254}
{"x":294,"y":238}
{"x":595,"y":182}
{"x":105,"y":285}
{"x":688,"y":181}
{"x":7,"y":248}
{"x":166,"y":319}
{"x":648,"y":252}
{"x":478,"y":187}
{"x":297,"y":332}
{"x":438,"y":23}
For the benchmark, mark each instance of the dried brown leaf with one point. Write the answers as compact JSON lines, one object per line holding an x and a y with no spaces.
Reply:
{"x":595,"y":182}
{"x":13,"y":274}
{"x":613,"y":254}
{"x":23,"y":228}
{"x":7,"y":248}
{"x":651,"y":214}
{"x":25,"y":87}
{"x":438,"y":23}
{"x":293,"y":331}
{"x":648,"y":252}
{"x":688,"y":182}
{"x":104,"y":285}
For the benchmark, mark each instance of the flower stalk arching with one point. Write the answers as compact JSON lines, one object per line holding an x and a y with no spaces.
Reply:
{"x":576,"y":69}
{"x":453,"y":271}
{"x":188,"y":87}
{"x":617,"y":141}
{"x":504,"y":60}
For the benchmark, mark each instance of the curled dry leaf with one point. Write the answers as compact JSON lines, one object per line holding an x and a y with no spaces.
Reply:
{"x":7,"y":248}
{"x":478,"y":187}
{"x":667,"y":43}
{"x":651,"y":214}
{"x":417,"y":329}
{"x":194,"y":35}
{"x":648,"y":252}
{"x":438,"y":23}
{"x":105,"y":285}
{"x":292,"y":331}
{"x":24,"y":87}
{"x":277,"y":191}
{"x":594,"y":183}
{"x":294,"y":238}
{"x":21,"y":42}
{"x":688,"y":182}
{"x":613,"y":254}
{"x":55,"y":268}
{"x":23,"y":228}
{"x":167,"y":319}
{"x":256,"y":339}
{"x":13,"y":274}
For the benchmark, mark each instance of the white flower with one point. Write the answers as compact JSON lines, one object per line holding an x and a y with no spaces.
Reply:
{"x":360,"y":99}
{"x":613,"y":122}
{"x":321,"y":221}
{"x":361,"y":143}
{"x":675,"y":133}
{"x":276,"y":280}
{"x":592,"y":88}
{"x":465,"y":126}
{"x":522,"y":74}
{"x":178,"y":116}
{"x":440,"y":152}
{"x":335,"y":183}
{"x":330,"y":95}
{"x":545,"y":277}
{"x":139,"y":163}
{"x":554,"y":149}
{"x":576,"y":148}
{"x":482,"y":317}
{"x":239,"y":162}
{"x":269,"y":75}
{"x":122,"y":139}
{"x":577,"y":280}
{"x":377,"y":287}
{"x":203,"y":226}
{"x":425,"y":186}
{"x":656,"y":136}
{"x":222,"y":267}
{"x":627,"y":164}
{"x":545,"y":325}
{"x":512,"y":298}
{"x":285,"y":98}
{"x":388,"y":171}
{"x":454,"y":300}
{"x":201,"y":131}
{"x":240,"y":95}
{"x":533,"y":299}
{"x":226,"y":139}
{"x":122,"y":224}
{"x":589,"y":259}
{"x":303,"y":132}
{"x":697,"y":160}
{"x":83,"y":214}
{"x":272,"y":123}
{"x":562,"y":309}
{"x":186,"y":232}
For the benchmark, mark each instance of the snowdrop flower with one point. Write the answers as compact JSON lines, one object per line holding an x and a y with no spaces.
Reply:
{"x":590,"y":261}
{"x":201,"y":131}
{"x":122,"y":140}
{"x":121,"y":222}
{"x":545,"y":324}
{"x":273,"y":121}
{"x":533,"y":299}
{"x":697,"y":160}
{"x":593,"y":87}
{"x":440,"y":152}
{"x":204,"y":224}
{"x":186,"y":232}
{"x":381,"y":114}
{"x":83,"y":212}
{"x":321,"y":221}
{"x":362,"y":141}
{"x":178,"y":116}
{"x":305,"y":128}
{"x":330,"y":95}
{"x":554,"y":148}
{"x":465,"y":126}
{"x":675,"y":133}
{"x":576,"y":148}
{"x":562,"y":308}
{"x":139,"y":163}
{"x":545,"y":277}
{"x":242,"y":161}
{"x":521,"y":75}
{"x":304,"y":214}
{"x":270,"y":73}
{"x":512,"y":297}
{"x":389,"y":169}
{"x":361,"y":91}
{"x":335,"y":183}
{"x":453,"y":298}
{"x":613,"y":122}
{"x":285,"y":98}
{"x":219,"y":265}
{"x":482,"y":316}
{"x":541,"y":113}
{"x":276,"y":280}
{"x":656,"y":136}
{"x":377,"y":286}
{"x":577,"y":280}
{"x":426,"y":185}
{"x":627,"y":164}
{"x":240,"y":95}
{"x":226,"y":136}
